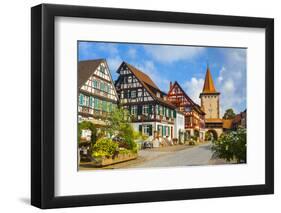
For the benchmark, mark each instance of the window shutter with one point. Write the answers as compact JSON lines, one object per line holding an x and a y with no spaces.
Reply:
{"x":175,"y":113}
{"x":150,"y":129}
{"x":149,"y":109}
{"x":81,"y":99}
{"x":91,"y":101}
{"x":140,"y":128}
{"x":139,"y":109}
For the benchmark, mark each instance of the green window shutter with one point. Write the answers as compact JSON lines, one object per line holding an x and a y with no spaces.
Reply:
{"x":110,"y":107}
{"x":140,"y":128}
{"x":96,"y":103}
{"x":139,"y":109}
{"x":104,"y":106}
{"x":101,"y":86}
{"x":81,"y":99}
{"x":91,"y":101}
{"x":170,"y":113}
{"x":149,"y":109}
{"x":175,"y":113}
{"x":150,"y":130}
{"x":168,"y":131}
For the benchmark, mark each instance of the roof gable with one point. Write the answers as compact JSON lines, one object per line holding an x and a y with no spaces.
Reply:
{"x":176,"y":88}
{"x":148,"y":84}
{"x":86,"y":69}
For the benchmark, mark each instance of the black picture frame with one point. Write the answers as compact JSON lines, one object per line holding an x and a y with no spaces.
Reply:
{"x":43,"y":102}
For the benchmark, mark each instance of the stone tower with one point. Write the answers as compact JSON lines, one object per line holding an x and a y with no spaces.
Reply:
{"x":210,"y":98}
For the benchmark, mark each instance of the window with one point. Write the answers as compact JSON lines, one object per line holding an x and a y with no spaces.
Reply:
{"x":147,"y":129}
{"x":95,"y":83}
{"x":133,"y":94}
{"x":101,"y":86}
{"x":102,"y":69}
{"x":139,"y":92}
{"x":86,"y":101}
{"x":145,"y":109}
{"x":130,"y":79}
{"x":134,"y":110}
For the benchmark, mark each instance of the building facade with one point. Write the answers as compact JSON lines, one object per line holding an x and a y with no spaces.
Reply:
{"x":97,"y":96}
{"x":179,"y":129}
{"x":210,"y":104}
{"x":151,"y":113}
{"x":194,"y":115}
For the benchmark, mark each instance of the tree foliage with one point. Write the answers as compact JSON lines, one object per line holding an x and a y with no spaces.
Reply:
{"x":118,"y":125}
{"x":232,"y":145}
{"x":104,"y":147}
{"x":229,"y":114}
{"x":87,"y":125}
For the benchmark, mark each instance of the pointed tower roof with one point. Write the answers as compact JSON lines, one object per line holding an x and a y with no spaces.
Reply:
{"x":209,"y":86}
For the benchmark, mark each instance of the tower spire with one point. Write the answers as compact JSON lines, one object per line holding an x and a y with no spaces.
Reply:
{"x":209,"y":86}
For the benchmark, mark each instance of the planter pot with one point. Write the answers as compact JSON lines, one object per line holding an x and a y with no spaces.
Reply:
{"x":104,"y":161}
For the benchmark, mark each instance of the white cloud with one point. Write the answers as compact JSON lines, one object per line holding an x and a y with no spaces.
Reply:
{"x":169,"y":54}
{"x":193,"y":88}
{"x":231,"y":81}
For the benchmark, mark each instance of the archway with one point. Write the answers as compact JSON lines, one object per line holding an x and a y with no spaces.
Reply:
{"x":212,"y":134}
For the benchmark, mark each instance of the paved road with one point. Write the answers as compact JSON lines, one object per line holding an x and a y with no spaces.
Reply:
{"x":199,"y":155}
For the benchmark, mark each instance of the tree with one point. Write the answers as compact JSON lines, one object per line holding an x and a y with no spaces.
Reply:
{"x":232,"y":145}
{"x":118,"y":125}
{"x":229,"y":114}
{"x":87,"y":125}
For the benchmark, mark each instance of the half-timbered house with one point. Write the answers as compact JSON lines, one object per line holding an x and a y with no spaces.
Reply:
{"x":97,"y":96}
{"x":151,"y":113}
{"x":194,"y":115}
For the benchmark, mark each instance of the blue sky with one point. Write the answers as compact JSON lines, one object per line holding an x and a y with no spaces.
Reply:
{"x":185,"y":64}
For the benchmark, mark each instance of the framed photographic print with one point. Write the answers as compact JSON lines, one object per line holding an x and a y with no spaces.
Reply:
{"x":141,"y":106}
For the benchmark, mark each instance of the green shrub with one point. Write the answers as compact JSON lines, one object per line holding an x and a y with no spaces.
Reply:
{"x":232,"y":145}
{"x":104,"y":147}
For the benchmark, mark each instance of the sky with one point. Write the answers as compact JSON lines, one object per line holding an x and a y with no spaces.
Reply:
{"x":185,"y":64}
